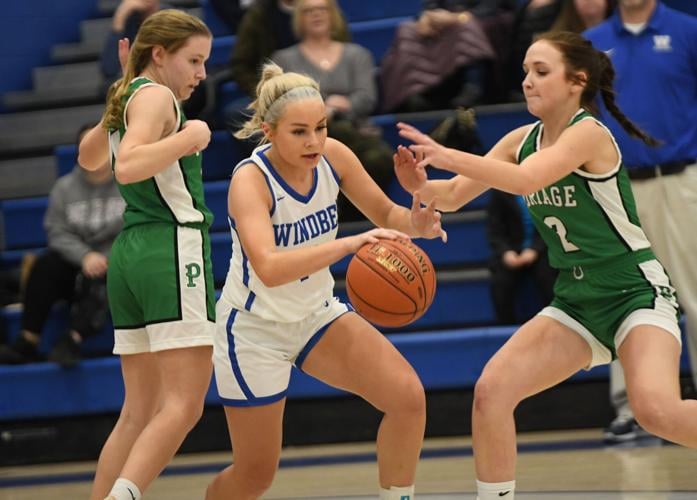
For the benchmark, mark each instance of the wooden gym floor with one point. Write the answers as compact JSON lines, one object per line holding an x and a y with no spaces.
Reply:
{"x":568,"y":465}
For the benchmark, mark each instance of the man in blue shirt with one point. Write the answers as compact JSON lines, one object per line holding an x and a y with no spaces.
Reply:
{"x":654,"y":52}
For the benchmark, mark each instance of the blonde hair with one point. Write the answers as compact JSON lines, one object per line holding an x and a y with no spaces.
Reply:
{"x":168,"y":28}
{"x":337,"y":22}
{"x":274,"y":90}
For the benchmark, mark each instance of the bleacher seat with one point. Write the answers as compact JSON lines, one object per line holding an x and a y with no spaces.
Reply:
{"x":100,"y":344}
{"x":443,"y":359}
{"x":23,"y":222}
{"x":353,"y":11}
{"x":367,"y":11}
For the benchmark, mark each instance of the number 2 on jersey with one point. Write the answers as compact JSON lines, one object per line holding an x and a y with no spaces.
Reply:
{"x":559,"y":228}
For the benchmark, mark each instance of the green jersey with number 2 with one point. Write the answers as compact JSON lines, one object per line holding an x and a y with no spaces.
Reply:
{"x":584,"y":218}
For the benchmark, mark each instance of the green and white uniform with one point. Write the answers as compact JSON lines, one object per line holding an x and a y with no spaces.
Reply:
{"x":609,"y":280}
{"x":160,"y":278}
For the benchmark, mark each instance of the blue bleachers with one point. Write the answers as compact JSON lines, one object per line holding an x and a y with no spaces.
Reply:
{"x":353,"y":11}
{"x":221,"y":50}
{"x":375,"y":35}
{"x":23,"y":222}
{"x":443,"y":360}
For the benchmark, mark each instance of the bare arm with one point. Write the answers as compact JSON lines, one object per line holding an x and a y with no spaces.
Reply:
{"x":363,"y":192}
{"x":572,"y":150}
{"x":146,"y":148}
{"x":93,"y":151}
{"x":249,"y":204}
{"x":450,"y":194}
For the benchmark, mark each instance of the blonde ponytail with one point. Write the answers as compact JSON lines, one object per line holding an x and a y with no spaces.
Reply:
{"x":274,"y":90}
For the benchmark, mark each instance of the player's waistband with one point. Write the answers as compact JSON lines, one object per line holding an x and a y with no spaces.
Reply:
{"x":600,"y":267}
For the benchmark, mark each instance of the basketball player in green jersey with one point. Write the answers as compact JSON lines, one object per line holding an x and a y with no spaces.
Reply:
{"x":160,"y":282}
{"x":612,"y":297}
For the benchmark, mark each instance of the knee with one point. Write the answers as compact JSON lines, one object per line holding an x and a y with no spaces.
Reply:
{"x":408,"y":396}
{"x":652,"y":413}
{"x":185,"y":412}
{"x":491,"y":396}
{"x":135,"y":419}
{"x":256,"y":476}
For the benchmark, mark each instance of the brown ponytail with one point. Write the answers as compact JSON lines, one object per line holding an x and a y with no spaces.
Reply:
{"x":167,"y":28}
{"x":580,"y":56}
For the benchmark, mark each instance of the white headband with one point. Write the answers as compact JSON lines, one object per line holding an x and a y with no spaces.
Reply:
{"x":294,"y":93}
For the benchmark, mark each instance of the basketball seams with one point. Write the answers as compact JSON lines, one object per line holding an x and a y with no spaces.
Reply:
{"x":365,"y":303}
{"x":389,"y":262}
{"x":377,"y":270}
{"x":415,"y":263}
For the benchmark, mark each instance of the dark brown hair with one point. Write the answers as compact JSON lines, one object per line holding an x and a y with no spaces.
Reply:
{"x":580,"y":56}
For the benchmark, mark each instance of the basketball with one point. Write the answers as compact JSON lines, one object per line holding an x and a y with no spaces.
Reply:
{"x":391,"y":283}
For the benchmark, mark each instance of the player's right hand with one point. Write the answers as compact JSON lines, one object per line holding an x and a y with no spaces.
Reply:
{"x":199,"y":135}
{"x":373,"y":236}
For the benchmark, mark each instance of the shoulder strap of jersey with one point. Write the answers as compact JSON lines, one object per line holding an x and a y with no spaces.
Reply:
{"x":139,"y":83}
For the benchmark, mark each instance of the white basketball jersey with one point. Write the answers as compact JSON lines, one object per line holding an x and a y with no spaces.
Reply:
{"x":298,"y":221}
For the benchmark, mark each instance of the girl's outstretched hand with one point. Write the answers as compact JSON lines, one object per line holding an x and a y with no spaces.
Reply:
{"x":410,"y":175}
{"x":428,"y":151}
{"x":426,"y":220}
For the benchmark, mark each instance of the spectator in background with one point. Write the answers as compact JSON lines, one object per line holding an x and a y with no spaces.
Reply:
{"x":531,"y":18}
{"x":346,"y":76}
{"x":517,"y":251}
{"x":538,"y":16}
{"x":654,"y":51}
{"x":83,"y":218}
{"x":442,"y":59}
{"x":580,"y":15}
{"x":265,"y":28}
{"x":127,"y":18}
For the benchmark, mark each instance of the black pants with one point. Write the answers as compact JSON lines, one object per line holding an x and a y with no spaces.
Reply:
{"x":53,"y":279}
{"x":505,"y":283}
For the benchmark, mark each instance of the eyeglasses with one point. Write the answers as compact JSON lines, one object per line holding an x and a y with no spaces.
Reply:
{"x":311,"y":10}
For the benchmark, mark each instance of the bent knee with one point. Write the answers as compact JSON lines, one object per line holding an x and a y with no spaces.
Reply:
{"x":136,"y":418}
{"x":186,"y":413}
{"x":653,"y":414}
{"x":407,"y":396}
{"x":491,"y":394}
{"x":257,"y":476}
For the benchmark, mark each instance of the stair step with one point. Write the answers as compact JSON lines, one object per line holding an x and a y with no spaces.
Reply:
{"x":38,"y":132}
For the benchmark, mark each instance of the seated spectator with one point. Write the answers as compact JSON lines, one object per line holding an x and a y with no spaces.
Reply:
{"x":346,"y":76}
{"x":266,"y":27}
{"x":442,"y":59}
{"x":84,"y":216}
{"x":531,"y":18}
{"x":517,"y":251}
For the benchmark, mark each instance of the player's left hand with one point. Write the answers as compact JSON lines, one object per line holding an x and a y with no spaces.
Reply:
{"x":430,"y":152}
{"x":124,"y":49}
{"x":426,"y":220}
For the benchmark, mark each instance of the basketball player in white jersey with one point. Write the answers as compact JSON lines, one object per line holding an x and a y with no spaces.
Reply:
{"x":277,"y":308}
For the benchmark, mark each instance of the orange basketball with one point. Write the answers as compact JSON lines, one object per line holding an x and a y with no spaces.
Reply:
{"x":391,"y":283}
